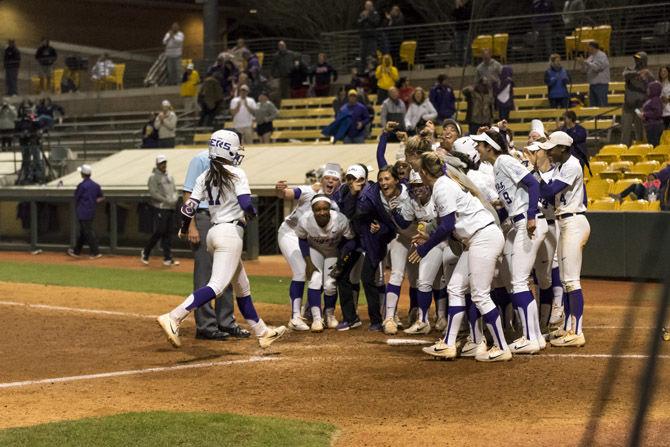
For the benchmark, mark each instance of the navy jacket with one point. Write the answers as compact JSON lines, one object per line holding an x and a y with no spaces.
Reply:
{"x":369,"y":208}
{"x":86,"y":196}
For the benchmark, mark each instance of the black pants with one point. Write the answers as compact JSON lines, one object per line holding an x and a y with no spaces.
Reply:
{"x":166,"y":142}
{"x":207,"y":116}
{"x":368,"y":278}
{"x":164,"y":226}
{"x":638,"y":189}
{"x":87,"y":236}
{"x":346,"y":291}
{"x":11,"y":81}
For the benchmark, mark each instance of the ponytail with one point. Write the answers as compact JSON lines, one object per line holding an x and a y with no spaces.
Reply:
{"x":220,"y":177}
{"x":432,"y":164}
{"x":419,"y":144}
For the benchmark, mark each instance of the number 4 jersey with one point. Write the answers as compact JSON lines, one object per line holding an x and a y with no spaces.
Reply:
{"x":571,"y":199}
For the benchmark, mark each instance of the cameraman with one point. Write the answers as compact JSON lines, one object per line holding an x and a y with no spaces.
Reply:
{"x":29,"y":133}
{"x":8,"y":117}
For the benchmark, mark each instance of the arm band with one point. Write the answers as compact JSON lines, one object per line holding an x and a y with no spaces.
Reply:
{"x":533,"y":194}
{"x":304,"y":247}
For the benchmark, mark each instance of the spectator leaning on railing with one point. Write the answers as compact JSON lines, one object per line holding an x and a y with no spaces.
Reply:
{"x":386,"y":75}
{"x":322,"y":74}
{"x":12,"y":61}
{"x":166,"y":123}
{"x":368,"y":22}
{"x":597,"y":69}
{"x":210,"y":98}
{"x":282,"y":64}
{"x":103,"y":68}
{"x":419,"y":112}
{"x":635,"y":94}
{"x":442,"y":97}
{"x":174,"y":43}
{"x":46,"y":56}
{"x":265,"y":114}
{"x":188,"y":89}
{"x":557,"y":79}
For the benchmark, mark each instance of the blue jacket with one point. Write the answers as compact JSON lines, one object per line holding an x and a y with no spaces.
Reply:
{"x":443,"y":99}
{"x":369,"y":208}
{"x":339,"y":128}
{"x":86,"y":198}
{"x":557,"y":82}
{"x":359,"y":114}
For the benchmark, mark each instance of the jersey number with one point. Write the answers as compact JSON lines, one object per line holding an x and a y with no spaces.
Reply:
{"x":563,"y":201}
{"x":507,"y":198}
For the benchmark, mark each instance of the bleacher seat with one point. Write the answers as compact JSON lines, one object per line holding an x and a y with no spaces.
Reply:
{"x":660,"y":153}
{"x":610,"y":152}
{"x":480,"y":43}
{"x":408,"y":53}
{"x":636,"y":153}
{"x":620,"y":185}
{"x":500,"y":42}
{"x":655,"y":206}
{"x":597,"y":167}
{"x":634,"y":205}
{"x":605,"y":204}
{"x":621,"y":166}
{"x":646,"y":167}
{"x":598,"y":188}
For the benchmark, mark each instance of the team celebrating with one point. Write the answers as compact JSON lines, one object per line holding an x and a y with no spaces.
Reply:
{"x":474,"y":225}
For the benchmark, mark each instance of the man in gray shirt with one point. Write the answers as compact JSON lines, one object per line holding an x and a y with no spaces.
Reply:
{"x":597,"y":68}
{"x":489,"y":68}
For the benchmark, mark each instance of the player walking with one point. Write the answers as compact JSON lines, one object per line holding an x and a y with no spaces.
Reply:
{"x":226,"y":188}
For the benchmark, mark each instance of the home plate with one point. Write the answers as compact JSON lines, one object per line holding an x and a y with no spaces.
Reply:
{"x":408,"y":341}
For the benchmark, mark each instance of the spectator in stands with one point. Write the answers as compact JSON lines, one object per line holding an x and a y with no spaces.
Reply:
{"x":461,"y":15}
{"x":174,"y":44}
{"x":405,"y":90}
{"x":340,"y":100}
{"x":252,"y":64}
{"x":350,"y":122}
{"x":442,"y":97}
{"x":282,"y":64}
{"x":386,"y":75}
{"x":87,"y":195}
{"x":504,"y":93}
{"x":70,"y":81}
{"x":298,"y":79}
{"x":12,"y":61}
{"x":393,"y":109}
{"x":649,"y":190}
{"x":47,"y":112}
{"x":480,"y":105}
{"x":419,"y":112}
{"x":635,"y":94}
{"x":542,"y":25}
{"x":652,"y":113}
{"x":265,"y":114}
{"x":8,"y":118}
{"x":578,"y":134}
{"x":664,"y":79}
{"x":597,"y":68}
{"x":166,"y":123}
{"x":370,"y":76}
{"x":322,"y":74}
{"x":228,"y":79}
{"x":239,"y":53}
{"x":46,"y":56}
{"x":188,"y":89}
{"x":368,"y":22}
{"x":572,"y":15}
{"x":557,"y":79}
{"x":103,"y":68}
{"x":393,"y":37}
{"x":243,"y":109}
{"x":210,"y":98}
{"x":242,"y":79}
{"x":357,"y":81}
{"x":163,"y":192}
{"x":488,"y":69}
{"x":150,"y":133}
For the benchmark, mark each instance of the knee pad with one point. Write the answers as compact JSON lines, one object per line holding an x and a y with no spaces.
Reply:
{"x":571,"y":286}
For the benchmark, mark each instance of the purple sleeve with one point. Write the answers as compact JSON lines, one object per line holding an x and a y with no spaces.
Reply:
{"x":304,"y":247}
{"x":245,"y":203}
{"x":502,"y":214}
{"x":533,"y":194}
{"x":447,"y":224}
{"x":347,"y":247}
{"x":381,"y":150}
{"x":549,"y":191}
{"x":399,"y":220}
{"x":664,"y":174}
{"x":297,"y":192}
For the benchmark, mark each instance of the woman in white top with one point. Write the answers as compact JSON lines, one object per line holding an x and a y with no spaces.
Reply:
{"x":566,"y":189}
{"x":518,"y":191}
{"x":225,"y":186}
{"x":463,"y":217}
{"x":664,"y":79}
{"x":420,"y":109}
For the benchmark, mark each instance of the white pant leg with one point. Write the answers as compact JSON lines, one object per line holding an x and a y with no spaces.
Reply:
{"x":524,"y":252}
{"x":398,"y":253}
{"x":504,"y":266}
{"x":483,"y":251}
{"x":574,"y":233}
{"x":329,"y":283}
{"x":290,"y":248}
{"x":241,"y":285}
{"x":546,"y":255}
{"x":457,"y":288}
{"x":225,"y":242}
{"x":429,"y":267}
{"x":449,"y":260}
{"x":316,"y":281}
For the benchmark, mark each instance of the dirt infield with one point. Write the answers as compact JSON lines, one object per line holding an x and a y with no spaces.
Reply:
{"x":377,"y":394}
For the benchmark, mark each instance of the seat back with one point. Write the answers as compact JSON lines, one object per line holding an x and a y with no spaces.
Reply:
{"x":480,"y":43}
{"x":646,"y":167}
{"x":598,"y":188}
{"x":620,"y":185}
{"x":607,"y":204}
{"x":408,"y":52}
{"x":261,"y":56}
{"x":500,"y":42}
{"x":602,"y":35}
{"x":634,"y":205}
{"x":119,"y":71}
{"x":57,"y":78}
{"x":621,"y":166}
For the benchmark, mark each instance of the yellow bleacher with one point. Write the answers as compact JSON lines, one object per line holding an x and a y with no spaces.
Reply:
{"x":605,"y":204}
{"x":660,"y":153}
{"x":599,"y":188}
{"x":634,"y":205}
{"x":620,"y":185}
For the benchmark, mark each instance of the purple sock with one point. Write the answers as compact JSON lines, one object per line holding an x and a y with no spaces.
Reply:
{"x":247,"y":309}
{"x":576,"y":299}
{"x":547,"y":299}
{"x":454,"y":313}
{"x":330,"y":301}
{"x":413,"y":301}
{"x":201,"y":296}
{"x":566,"y":312}
{"x":473,"y":315}
{"x":314,"y":298}
{"x":423,"y":301}
{"x":392,"y":288}
{"x":493,"y":322}
{"x":296,"y":289}
{"x":521,"y":301}
{"x":556,"y":277}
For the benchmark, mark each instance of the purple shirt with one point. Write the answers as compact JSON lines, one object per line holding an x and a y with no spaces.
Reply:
{"x":359,"y":114}
{"x":86,"y":196}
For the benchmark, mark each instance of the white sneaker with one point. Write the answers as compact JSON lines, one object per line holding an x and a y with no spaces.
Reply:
{"x":543,"y":342}
{"x":524,"y":346}
{"x":472,"y":349}
{"x":558,"y":333}
{"x":271,"y":335}
{"x":390,"y":326}
{"x":331,"y":321}
{"x":418,"y":328}
{"x":317,"y":325}
{"x":441,"y":324}
{"x":569,"y":340}
{"x":171,"y":329}
{"x":170,"y":263}
{"x":495,"y":354}
{"x":297,"y":324}
{"x":398,"y":322}
{"x":144,"y":258}
{"x":556,"y":317}
{"x":441,"y":350}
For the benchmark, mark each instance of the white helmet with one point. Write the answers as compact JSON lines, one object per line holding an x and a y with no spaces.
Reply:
{"x":467,"y":146}
{"x":226,"y":144}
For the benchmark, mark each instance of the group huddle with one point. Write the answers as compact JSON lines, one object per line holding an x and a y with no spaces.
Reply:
{"x":471,"y":221}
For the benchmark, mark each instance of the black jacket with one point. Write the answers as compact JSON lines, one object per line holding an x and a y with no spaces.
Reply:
{"x":46,"y":55}
{"x":12,"y":57}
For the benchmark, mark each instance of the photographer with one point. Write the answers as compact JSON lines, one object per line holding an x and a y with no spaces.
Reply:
{"x":29,"y":133}
{"x":8,"y":117}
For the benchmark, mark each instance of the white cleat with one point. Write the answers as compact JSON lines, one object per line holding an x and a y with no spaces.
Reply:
{"x":298,"y":324}
{"x":171,"y":329}
{"x":398,"y":322}
{"x":418,"y":328}
{"x":495,"y":354}
{"x":441,"y":350}
{"x":390,"y":326}
{"x":569,"y":340}
{"x":472,"y":349}
{"x":558,"y":333}
{"x":524,"y":346}
{"x":556,"y":317}
{"x":331,"y":321}
{"x":271,"y":335}
{"x":317,"y":325}
{"x":441,"y":324}
{"x":543,"y":342}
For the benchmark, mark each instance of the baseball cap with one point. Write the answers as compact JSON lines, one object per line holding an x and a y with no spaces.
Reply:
{"x":558,"y":138}
{"x":352,"y":92}
{"x":332,"y":170}
{"x":160,"y":159}
{"x":165,"y":103}
{"x":454,"y":123}
{"x":85,"y":169}
{"x":244,"y":87}
{"x":533,"y":147}
{"x":357,"y":171}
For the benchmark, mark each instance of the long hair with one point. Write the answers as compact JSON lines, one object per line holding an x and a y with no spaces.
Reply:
{"x":432,"y":164}
{"x":419,"y":144}
{"x":219,"y":176}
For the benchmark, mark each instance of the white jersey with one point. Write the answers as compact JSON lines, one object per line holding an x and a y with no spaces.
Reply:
{"x":304,"y":195}
{"x":508,"y":174}
{"x":485,"y":181}
{"x":544,"y":207}
{"x":571,"y":199}
{"x":413,"y":211}
{"x":324,"y":240}
{"x":223,"y":204}
{"x":471,"y":215}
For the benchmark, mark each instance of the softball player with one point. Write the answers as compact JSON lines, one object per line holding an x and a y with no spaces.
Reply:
{"x":320,"y":234}
{"x":226,"y":188}
{"x":464,"y":217}
{"x":566,"y":189}
{"x":518,"y":191}
{"x":288,"y":241}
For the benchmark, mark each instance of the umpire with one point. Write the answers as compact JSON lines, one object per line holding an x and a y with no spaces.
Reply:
{"x":218,"y":323}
